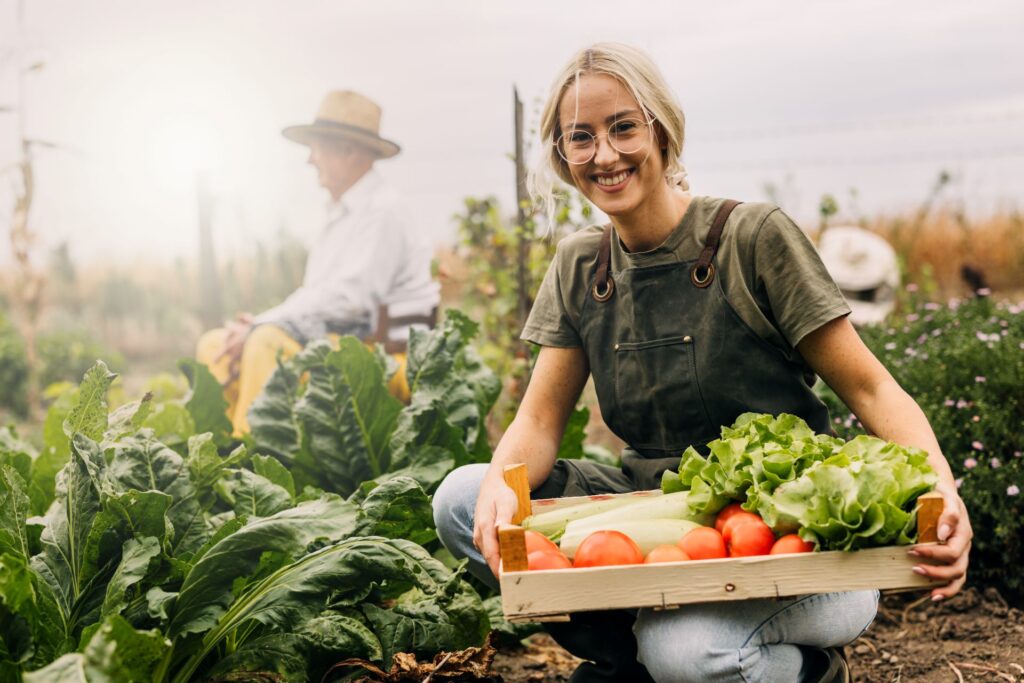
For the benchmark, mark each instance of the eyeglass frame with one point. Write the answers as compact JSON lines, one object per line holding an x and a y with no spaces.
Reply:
{"x":647,"y":119}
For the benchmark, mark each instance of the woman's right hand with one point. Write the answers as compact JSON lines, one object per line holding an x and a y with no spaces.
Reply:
{"x":495,"y":506}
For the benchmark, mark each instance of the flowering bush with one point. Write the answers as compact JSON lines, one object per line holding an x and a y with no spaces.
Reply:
{"x":963,"y":362}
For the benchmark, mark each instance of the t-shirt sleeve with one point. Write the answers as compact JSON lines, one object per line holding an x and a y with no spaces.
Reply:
{"x":792,"y":278}
{"x":550,"y":322}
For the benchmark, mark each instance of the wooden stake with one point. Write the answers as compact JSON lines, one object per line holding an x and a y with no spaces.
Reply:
{"x":517,"y":480}
{"x":929,"y":510}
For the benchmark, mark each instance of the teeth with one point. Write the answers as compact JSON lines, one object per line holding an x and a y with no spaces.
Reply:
{"x":612,"y":180}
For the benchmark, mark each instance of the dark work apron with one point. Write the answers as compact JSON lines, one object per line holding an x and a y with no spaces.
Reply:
{"x":672,"y":363}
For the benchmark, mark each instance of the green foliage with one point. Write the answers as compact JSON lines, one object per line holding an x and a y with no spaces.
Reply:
{"x":963,"y":362}
{"x":13,"y":368}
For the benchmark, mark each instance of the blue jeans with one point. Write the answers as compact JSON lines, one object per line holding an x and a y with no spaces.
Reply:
{"x":748,"y":640}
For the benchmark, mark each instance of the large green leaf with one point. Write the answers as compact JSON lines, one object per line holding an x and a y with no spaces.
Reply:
{"x":398,"y":508}
{"x":274,"y":471}
{"x":69,"y":522}
{"x":14,"y":510}
{"x":172,"y":425}
{"x":128,"y":419}
{"x":252,"y":495}
{"x":135,"y":562}
{"x":207,"y":590}
{"x":16,"y":453}
{"x":34,"y":628}
{"x":89,"y":415}
{"x":55,"y":452}
{"x":272,"y":420}
{"x":282,"y":655}
{"x":347,"y":416}
{"x":353,"y":569}
{"x":206,"y":402}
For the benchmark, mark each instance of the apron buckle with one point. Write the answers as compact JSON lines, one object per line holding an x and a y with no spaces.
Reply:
{"x":701,"y":275}
{"x":603,"y":295}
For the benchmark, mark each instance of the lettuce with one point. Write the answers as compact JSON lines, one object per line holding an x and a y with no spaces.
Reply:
{"x":842,"y":496}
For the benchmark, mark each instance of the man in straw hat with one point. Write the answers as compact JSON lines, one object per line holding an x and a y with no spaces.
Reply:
{"x":368,"y":271}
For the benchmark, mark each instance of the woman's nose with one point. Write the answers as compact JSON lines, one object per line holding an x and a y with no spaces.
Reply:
{"x":604,"y":152}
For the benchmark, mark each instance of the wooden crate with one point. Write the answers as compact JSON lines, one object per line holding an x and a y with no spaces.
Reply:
{"x":550,"y":595}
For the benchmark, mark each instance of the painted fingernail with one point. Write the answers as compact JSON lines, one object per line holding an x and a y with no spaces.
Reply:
{"x":918,"y":570}
{"x":937,"y":598}
{"x":944,"y":531}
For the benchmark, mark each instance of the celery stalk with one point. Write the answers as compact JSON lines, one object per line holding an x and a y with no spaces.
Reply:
{"x":551,"y":523}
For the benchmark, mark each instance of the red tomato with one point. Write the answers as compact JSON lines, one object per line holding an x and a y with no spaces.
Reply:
{"x":791,"y":543}
{"x":604,"y":548}
{"x":703,"y":543}
{"x":741,"y":517}
{"x":538,"y":541}
{"x":751,"y":538}
{"x":666,"y":553}
{"x":547,"y":559}
{"x":725,"y":513}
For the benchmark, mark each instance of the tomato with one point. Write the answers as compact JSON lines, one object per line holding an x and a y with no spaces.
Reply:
{"x":791,"y":543}
{"x":666,"y":553}
{"x":725,"y":513}
{"x":604,"y":548}
{"x":703,"y":543}
{"x":547,"y":559}
{"x":538,"y":541}
{"x":739,"y":518}
{"x":751,"y":538}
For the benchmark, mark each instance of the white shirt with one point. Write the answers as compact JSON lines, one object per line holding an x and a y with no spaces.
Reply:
{"x":368,"y":254}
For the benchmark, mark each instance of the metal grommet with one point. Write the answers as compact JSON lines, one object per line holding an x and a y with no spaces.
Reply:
{"x":702,"y":280}
{"x":616,"y":347}
{"x":606,"y":294}
{"x":687,"y":339}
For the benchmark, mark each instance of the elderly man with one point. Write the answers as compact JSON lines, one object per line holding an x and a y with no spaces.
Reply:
{"x":369,"y":270}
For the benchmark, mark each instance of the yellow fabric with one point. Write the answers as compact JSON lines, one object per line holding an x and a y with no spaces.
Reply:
{"x":258,"y":362}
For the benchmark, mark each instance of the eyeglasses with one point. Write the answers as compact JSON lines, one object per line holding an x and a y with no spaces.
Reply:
{"x":626,"y":136}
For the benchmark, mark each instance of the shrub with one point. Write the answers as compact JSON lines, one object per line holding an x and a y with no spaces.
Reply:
{"x":13,"y":369}
{"x":964,"y":364}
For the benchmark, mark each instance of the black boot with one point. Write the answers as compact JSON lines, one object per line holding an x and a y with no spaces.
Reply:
{"x":606,"y":641}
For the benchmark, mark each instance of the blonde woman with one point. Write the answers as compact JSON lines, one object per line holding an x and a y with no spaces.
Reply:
{"x":687,"y":311}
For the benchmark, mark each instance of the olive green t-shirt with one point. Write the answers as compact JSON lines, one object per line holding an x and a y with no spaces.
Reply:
{"x":770,"y":272}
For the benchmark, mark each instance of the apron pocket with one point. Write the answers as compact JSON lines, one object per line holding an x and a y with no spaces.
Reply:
{"x":658,"y":403}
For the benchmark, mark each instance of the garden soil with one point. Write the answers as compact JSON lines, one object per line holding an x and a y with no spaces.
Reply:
{"x":975,"y":636}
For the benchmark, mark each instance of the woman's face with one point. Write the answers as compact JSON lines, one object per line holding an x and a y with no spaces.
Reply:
{"x":616,"y":182}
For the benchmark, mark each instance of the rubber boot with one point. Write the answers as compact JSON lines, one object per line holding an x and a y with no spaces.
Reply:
{"x":606,"y":641}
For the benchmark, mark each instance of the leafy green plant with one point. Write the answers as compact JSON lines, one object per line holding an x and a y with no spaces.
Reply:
{"x":963,"y":362}
{"x":13,"y":368}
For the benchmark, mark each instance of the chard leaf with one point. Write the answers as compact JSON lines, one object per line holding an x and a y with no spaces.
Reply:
{"x":271,"y":468}
{"x":16,"y":453}
{"x":205,"y":401}
{"x":206,"y":591}
{"x":89,"y":415}
{"x":342,"y":634}
{"x":37,"y":630}
{"x":254,"y":496}
{"x":55,"y":453}
{"x":69,"y":522}
{"x":128,"y":419}
{"x":283,"y":654}
{"x":135,"y":562}
{"x":272,"y":418}
{"x":14,"y":510}
{"x":346,"y":415}
{"x":171,"y":423}
{"x":398,"y":508}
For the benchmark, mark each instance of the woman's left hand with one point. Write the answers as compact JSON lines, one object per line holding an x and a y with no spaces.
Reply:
{"x":948,"y":560}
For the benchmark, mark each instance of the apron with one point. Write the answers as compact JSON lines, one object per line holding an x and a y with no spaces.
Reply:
{"x":672,"y":361}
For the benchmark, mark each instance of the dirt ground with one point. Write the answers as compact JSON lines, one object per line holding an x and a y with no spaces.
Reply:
{"x":973,"y":637}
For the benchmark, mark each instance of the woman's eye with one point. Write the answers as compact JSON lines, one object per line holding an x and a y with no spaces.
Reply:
{"x":624,"y":127}
{"x":580,"y":137}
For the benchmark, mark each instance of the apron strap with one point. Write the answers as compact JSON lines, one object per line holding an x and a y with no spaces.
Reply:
{"x":703,"y":272}
{"x":604,"y":286}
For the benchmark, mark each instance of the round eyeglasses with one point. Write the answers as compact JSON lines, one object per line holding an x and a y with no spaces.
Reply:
{"x":578,"y":146}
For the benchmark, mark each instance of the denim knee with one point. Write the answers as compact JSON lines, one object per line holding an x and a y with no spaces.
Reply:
{"x":454,"y":504}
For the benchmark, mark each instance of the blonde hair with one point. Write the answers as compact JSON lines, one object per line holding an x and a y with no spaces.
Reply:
{"x":635,"y":70}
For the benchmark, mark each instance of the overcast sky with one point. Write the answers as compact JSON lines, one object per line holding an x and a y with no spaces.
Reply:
{"x":809,"y":96}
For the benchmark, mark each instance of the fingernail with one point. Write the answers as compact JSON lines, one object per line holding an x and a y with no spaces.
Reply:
{"x":913,"y":553}
{"x":944,"y":532}
{"x":918,"y":570}
{"x":937,"y":598}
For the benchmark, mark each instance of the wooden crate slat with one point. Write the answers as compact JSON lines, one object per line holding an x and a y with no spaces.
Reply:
{"x":549,"y":504}
{"x":536,"y":594}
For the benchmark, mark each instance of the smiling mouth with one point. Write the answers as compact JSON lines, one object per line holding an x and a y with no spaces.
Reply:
{"x":610,"y":180}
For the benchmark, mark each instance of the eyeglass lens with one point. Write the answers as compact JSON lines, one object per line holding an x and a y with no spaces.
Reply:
{"x":626,"y":136}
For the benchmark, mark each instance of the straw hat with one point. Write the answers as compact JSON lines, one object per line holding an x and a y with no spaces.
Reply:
{"x":348,"y":115}
{"x":865,"y":267}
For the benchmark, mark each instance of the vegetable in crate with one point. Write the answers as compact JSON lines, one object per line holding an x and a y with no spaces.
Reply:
{"x":842,"y":496}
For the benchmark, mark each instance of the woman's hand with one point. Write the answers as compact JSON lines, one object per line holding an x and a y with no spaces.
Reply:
{"x":948,"y":560}
{"x":494,"y":506}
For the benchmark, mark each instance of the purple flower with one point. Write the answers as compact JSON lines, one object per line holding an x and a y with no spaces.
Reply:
{"x":911,"y":287}
{"x":962,"y":404}
{"x":913,"y":318}
{"x":1016,"y":454}
{"x":932,"y":306}
{"x":994,"y":463}
{"x":970,"y":463}
{"x":984,"y":291}
{"x":977,"y":445}
{"x":979,"y":379}
{"x":1012,"y":490}
{"x":949,"y":403}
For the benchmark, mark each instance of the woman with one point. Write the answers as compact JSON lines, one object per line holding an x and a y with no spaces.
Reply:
{"x":687,"y":311}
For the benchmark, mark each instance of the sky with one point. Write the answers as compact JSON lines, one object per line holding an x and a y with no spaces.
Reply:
{"x":867,"y":101}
